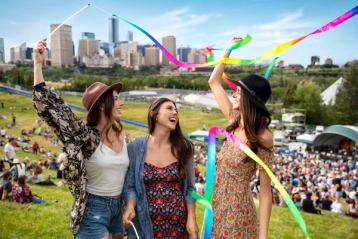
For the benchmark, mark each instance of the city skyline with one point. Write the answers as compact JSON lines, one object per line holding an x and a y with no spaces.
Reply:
{"x":198,"y":25}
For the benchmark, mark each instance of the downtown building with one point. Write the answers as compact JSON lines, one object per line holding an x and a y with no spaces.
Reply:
{"x":62,"y":51}
{"x":113,"y":35}
{"x":169,"y":42}
{"x":88,"y":46}
{"x":151,"y":56}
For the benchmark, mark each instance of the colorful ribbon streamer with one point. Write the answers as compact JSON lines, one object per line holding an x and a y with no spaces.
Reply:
{"x":269,"y":68}
{"x":235,"y":61}
{"x":210,"y":176}
{"x":282,"y":47}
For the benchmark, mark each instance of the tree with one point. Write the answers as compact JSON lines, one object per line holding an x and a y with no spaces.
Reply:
{"x":289,"y":99}
{"x":307,"y":96}
{"x":346,"y":105}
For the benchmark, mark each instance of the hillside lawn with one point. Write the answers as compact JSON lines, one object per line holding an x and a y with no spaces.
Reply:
{"x":51,"y":220}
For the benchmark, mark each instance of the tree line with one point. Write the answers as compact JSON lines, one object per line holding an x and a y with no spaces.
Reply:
{"x":291,"y":88}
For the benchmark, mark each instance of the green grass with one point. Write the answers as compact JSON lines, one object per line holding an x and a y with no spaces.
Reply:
{"x":51,"y":220}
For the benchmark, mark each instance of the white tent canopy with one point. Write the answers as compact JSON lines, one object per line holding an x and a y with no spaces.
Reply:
{"x":329,"y":95}
{"x":305,"y":138}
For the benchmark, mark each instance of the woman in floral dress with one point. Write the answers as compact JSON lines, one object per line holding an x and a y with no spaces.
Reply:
{"x":233,"y":206}
{"x":161,"y":178}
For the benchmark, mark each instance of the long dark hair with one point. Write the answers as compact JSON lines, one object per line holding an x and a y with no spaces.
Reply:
{"x":94,"y":115}
{"x":255,"y":120}
{"x":181,"y":147}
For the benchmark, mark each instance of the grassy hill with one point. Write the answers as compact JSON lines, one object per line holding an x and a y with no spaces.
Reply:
{"x":51,"y":220}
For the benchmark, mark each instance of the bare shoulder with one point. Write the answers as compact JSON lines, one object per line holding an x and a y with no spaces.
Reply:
{"x":266,"y":138}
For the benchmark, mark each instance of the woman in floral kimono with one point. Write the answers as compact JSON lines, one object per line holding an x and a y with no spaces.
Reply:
{"x":96,"y":153}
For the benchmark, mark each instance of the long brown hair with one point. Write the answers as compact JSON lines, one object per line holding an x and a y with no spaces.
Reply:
{"x":181,"y":147}
{"x":255,"y":120}
{"x":93,"y":117}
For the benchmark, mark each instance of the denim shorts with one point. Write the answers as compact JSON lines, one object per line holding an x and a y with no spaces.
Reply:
{"x":103,"y":216}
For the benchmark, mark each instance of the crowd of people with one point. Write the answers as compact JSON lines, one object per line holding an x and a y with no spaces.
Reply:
{"x":314,"y":184}
{"x":15,"y":173}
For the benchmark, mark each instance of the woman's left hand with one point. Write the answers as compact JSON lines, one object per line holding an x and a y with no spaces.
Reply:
{"x":192,"y":228}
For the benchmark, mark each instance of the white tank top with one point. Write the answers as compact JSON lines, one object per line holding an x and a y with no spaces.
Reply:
{"x":106,"y":171}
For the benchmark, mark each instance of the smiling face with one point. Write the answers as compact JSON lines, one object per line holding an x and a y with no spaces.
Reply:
{"x":237,"y":98}
{"x":117,"y":105}
{"x":167,"y":115}
{"x":163,"y":113}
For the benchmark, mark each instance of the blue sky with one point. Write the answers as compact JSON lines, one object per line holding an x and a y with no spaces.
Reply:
{"x":196,"y":23}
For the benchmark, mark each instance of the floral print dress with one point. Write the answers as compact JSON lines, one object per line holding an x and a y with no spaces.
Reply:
{"x":233,"y":206}
{"x":166,"y":201}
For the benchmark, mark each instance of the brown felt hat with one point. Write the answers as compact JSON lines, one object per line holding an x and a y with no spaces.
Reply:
{"x":95,"y":91}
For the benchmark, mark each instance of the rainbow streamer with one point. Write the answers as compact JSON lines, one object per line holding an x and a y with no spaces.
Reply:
{"x":235,"y":61}
{"x":269,"y":68}
{"x":282,"y":47}
{"x":210,"y":175}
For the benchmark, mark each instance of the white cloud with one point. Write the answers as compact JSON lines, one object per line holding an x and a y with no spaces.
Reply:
{"x":182,"y":22}
{"x":13,"y":23}
{"x":287,"y":21}
{"x":288,"y":26}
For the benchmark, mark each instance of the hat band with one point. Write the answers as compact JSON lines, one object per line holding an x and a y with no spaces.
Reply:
{"x":251,"y":92}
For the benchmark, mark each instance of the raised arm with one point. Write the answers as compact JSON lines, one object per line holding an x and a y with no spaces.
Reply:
{"x":216,"y":87}
{"x":69,"y":128}
{"x":39,"y":59}
{"x":218,"y":90}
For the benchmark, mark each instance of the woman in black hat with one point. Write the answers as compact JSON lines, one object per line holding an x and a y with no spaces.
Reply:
{"x":96,"y":153}
{"x":233,"y":206}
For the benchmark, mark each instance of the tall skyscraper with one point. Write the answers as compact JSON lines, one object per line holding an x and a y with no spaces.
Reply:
{"x":129,"y":36}
{"x":113,"y":30}
{"x":88,"y":35}
{"x":2,"y":50}
{"x":61,"y":46}
{"x":183,"y":53}
{"x":87,"y":47}
{"x":151,"y":57}
{"x":169,"y":43}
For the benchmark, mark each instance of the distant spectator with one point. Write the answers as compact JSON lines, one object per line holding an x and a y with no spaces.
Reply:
{"x":352,"y":209}
{"x":21,"y":192}
{"x":9,"y":151}
{"x":2,"y":132}
{"x":38,"y":178}
{"x":337,"y":206}
{"x":297,"y":200}
{"x":35,"y":147}
{"x":17,"y":169}
{"x":2,"y":165}
{"x":13,"y":119}
{"x":308,"y":206}
{"x":326,"y":203}
{"x":5,"y":186}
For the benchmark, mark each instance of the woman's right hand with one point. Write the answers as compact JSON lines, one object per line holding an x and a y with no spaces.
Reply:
{"x":39,"y":52}
{"x":233,"y":43}
{"x":128,"y":215}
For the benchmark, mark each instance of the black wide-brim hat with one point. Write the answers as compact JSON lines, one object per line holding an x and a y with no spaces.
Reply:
{"x":258,"y":89}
